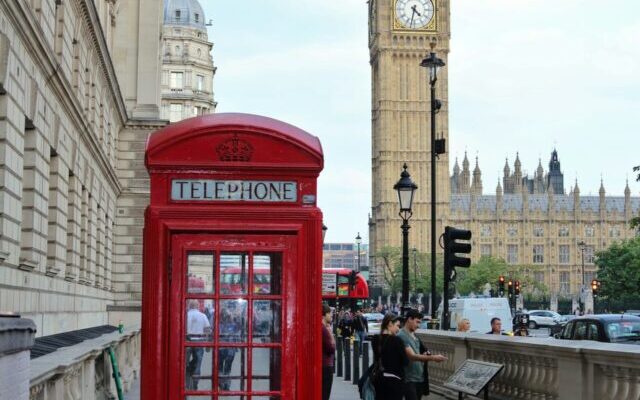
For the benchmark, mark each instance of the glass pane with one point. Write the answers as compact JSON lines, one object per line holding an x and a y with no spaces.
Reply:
{"x":232,"y":368}
{"x":266,"y":369}
{"x":198,"y":398}
{"x":234,"y":269}
{"x":267,"y":273}
{"x":265,"y":398}
{"x":199,"y":320}
{"x":198,"y":362}
{"x":233,"y":321}
{"x":239,"y":397}
{"x":200,"y":267}
{"x":266,"y":321}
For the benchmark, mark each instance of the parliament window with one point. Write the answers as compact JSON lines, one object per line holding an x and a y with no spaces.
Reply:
{"x":538,"y":254}
{"x":589,"y":231}
{"x":200,"y":83}
{"x":564,"y":282}
{"x":538,"y":231}
{"x":512,"y":230}
{"x":485,"y":230}
{"x":512,"y":253}
{"x":563,"y":231}
{"x":563,"y":254}
{"x":538,"y":277}
{"x":589,"y":256}
{"x":485,"y":250}
{"x":614,"y":231}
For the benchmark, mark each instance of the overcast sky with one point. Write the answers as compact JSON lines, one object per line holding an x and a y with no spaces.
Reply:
{"x":525,"y":76}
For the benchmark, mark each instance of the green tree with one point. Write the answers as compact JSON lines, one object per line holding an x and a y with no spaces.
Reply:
{"x":419,"y":270}
{"x":488,"y":270}
{"x":619,"y":270}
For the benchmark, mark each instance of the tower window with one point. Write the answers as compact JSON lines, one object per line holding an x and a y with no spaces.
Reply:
{"x":178,"y":15}
{"x":197,"y":17}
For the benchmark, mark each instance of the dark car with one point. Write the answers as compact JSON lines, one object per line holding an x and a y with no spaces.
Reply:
{"x":613,"y":328}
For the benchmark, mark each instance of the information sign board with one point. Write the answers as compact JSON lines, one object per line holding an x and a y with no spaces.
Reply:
{"x":472,"y":376}
{"x":329,"y":282}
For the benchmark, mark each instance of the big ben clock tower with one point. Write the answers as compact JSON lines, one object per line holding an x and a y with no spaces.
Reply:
{"x":401,"y":34}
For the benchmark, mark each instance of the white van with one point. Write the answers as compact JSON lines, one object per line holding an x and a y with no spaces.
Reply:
{"x":480,"y":311}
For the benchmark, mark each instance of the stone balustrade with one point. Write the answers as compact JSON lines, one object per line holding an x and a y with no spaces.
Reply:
{"x":540,"y":368}
{"x":84,"y":371}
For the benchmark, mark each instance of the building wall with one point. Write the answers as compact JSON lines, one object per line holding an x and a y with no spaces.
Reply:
{"x":401,"y":123}
{"x":62,"y":118}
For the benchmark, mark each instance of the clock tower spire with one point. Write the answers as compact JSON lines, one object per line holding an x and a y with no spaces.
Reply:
{"x":401,"y":34}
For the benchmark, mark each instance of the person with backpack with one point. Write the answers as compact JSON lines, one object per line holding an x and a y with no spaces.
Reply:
{"x":389,"y":359}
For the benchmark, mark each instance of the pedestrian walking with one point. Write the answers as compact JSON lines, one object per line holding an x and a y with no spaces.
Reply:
{"x":346,"y":325}
{"x":328,"y":352}
{"x":389,"y":350}
{"x":198,"y":330}
{"x":361,"y":328}
{"x":415,"y":382}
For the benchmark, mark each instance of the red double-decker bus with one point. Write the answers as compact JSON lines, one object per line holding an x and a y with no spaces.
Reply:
{"x":350,"y":287}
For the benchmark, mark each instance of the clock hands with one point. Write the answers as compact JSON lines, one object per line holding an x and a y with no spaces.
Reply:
{"x":413,"y":13}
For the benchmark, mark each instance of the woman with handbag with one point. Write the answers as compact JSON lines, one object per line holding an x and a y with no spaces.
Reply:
{"x":389,"y":359}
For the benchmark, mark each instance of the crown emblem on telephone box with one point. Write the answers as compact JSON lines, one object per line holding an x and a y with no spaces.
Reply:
{"x":234,"y":149}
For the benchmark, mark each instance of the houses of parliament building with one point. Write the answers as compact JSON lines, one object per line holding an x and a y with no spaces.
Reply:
{"x":528,"y":221}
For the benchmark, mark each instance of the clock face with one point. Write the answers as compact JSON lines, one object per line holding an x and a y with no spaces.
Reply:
{"x":414,"y":14}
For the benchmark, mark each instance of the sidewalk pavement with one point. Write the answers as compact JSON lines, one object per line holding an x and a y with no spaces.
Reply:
{"x":345,"y":390}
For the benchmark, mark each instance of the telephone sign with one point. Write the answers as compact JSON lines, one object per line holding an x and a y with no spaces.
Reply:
{"x":232,"y":275}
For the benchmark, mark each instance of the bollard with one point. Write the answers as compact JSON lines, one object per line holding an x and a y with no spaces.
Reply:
{"x":347,"y":359}
{"x":339,"y":357}
{"x":356,"y":362}
{"x":365,"y":357}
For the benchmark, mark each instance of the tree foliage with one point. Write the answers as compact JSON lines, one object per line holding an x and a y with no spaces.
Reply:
{"x":419,"y":270}
{"x":487,"y":270}
{"x":619,"y":270}
{"x":636,"y":169}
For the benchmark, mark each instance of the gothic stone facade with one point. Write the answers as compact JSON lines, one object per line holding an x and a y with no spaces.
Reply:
{"x":401,"y":119}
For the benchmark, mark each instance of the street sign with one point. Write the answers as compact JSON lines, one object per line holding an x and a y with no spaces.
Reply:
{"x":329,"y":283}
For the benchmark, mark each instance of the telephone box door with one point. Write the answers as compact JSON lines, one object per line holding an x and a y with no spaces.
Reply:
{"x":231,"y":326}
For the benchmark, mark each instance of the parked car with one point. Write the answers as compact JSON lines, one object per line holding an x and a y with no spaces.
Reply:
{"x":613,"y":328}
{"x":538,"y":318}
{"x":374,"y":320}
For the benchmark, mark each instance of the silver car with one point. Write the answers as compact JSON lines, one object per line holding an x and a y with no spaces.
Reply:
{"x":539,"y":318}
{"x":374,"y":321}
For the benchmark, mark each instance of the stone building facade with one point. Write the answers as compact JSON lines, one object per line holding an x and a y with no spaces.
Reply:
{"x":538,"y":225}
{"x":400,"y":116}
{"x":187,"y":63}
{"x":79,"y":94}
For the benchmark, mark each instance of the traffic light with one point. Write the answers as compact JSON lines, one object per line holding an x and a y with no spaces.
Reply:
{"x":510,"y":285}
{"x":452,"y":246}
{"x":516,"y":289}
{"x":501,"y":286}
{"x":595,"y":286}
{"x":352,"y":280}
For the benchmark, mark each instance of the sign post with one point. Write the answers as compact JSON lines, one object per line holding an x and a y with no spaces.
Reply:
{"x":472,"y":377}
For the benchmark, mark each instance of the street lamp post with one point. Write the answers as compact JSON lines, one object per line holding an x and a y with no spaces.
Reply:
{"x":415,"y":269}
{"x":433,"y":64}
{"x":582,"y":246}
{"x":405,"y":188}
{"x":358,"y":242}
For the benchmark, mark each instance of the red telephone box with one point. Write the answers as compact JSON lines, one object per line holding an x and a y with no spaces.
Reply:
{"x":232,"y":261}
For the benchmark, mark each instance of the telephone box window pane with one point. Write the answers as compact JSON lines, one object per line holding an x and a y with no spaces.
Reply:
{"x":266,"y":369}
{"x":265,"y":397}
{"x":198,"y":362}
{"x":266,"y":321}
{"x":200,"y":267}
{"x":199,"y":320}
{"x":232,"y":369}
{"x":233,"y":321}
{"x":234,"y":270}
{"x":267,"y":273}
{"x":198,"y":398}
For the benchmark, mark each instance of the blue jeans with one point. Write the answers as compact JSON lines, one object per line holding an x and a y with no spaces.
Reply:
{"x":194,"y":361}
{"x":362,"y":335}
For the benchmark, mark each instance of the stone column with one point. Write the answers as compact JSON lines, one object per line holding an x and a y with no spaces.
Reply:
{"x":16,"y":340}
